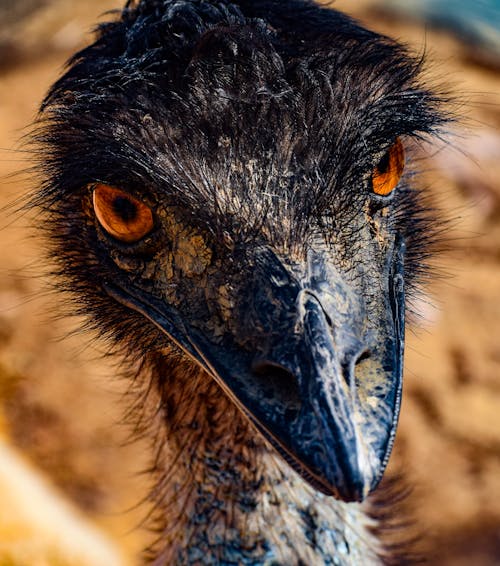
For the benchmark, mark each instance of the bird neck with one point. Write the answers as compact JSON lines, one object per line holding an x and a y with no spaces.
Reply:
{"x":226,"y":497}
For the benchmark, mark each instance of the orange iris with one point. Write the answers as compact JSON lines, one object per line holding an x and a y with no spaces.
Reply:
{"x":387,"y":173}
{"x":121,"y":215}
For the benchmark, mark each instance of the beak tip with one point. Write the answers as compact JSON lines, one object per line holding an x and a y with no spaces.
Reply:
{"x":355,"y":476}
{"x":355,"y":491}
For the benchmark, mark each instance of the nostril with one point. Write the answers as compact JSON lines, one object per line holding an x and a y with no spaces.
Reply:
{"x":278,"y":383}
{"x":370,"y":377}
{"x":365,"y":355}
{"x":359,"y":367}
{"x":273,"y":372}
{"x":262,"y":367}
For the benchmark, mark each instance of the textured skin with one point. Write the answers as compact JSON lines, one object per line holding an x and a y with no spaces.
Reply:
{"x":251,"y":130}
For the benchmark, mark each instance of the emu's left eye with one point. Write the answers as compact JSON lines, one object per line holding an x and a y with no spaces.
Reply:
{"x":387,"y":173}
{"x":121,"y":215}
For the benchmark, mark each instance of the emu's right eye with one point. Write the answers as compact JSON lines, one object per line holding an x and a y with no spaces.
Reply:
{"x":121,"y":215}
{"x":387,"y":173}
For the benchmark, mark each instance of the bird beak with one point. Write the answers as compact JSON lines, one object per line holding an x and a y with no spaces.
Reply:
{"x":318,"y":376}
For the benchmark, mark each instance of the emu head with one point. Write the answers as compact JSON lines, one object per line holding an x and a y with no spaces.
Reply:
{"x":226,"y":183}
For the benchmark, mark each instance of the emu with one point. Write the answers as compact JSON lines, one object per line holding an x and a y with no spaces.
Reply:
{"x":228,"y":202}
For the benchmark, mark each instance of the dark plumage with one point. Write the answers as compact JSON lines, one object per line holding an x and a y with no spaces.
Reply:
{"x":210,"y":171}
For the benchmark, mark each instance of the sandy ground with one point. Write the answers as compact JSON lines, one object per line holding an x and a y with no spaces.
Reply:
{"x":61,"y":405}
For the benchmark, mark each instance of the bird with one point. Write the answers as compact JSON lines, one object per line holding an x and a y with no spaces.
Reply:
{"x":229,"y":199}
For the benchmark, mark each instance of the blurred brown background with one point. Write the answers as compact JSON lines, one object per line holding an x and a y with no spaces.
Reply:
{"x":61,"y":404}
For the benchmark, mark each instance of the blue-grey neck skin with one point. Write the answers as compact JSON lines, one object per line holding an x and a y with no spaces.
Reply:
{"x":226,"y":497}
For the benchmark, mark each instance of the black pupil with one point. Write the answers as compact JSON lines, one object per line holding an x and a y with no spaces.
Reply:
{"x":125,"y":209}
{"x":383,"y":165}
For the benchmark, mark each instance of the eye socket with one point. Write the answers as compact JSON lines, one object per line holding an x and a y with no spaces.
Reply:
{"x":121,"y":215}
{"x":387,"y":173}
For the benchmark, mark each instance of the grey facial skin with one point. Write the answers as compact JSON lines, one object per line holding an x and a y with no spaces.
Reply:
{"x":313,"y":378}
